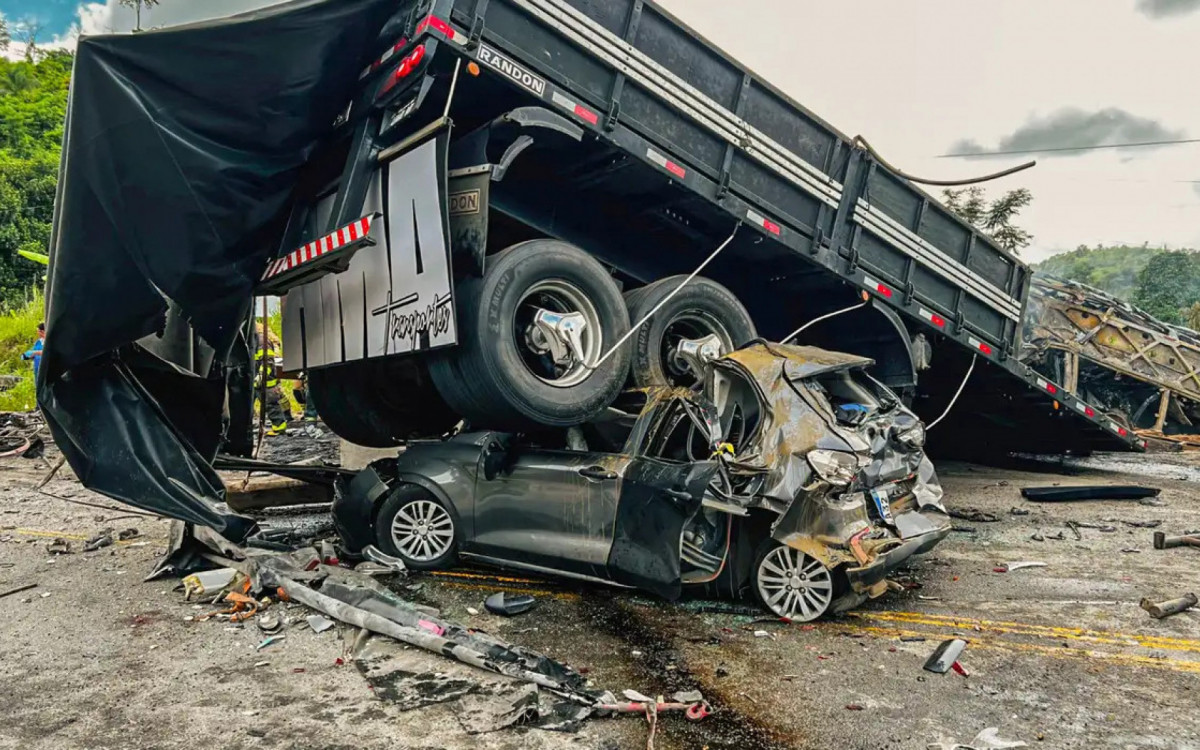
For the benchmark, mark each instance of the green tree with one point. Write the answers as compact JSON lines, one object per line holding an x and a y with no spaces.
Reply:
{"x":5,"y":35}
{"x":1169,"y":285}
{"x":33,"y":102}
{"x":1113,"y":269}
{"x":137,"y":6}
{"x":996,"y":218}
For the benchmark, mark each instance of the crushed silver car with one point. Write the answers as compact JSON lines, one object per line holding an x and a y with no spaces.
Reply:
{"x":789,"y":474}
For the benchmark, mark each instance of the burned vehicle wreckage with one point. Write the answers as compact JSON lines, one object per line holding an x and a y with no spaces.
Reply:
{"x":788,"y":473}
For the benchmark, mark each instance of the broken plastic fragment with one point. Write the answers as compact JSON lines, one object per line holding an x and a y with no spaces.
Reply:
{"x":508,"y":605}
{"x":945,"y":655}
{"x":319,"y":624}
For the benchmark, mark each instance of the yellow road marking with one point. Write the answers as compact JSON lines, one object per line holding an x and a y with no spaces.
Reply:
{"x":481,"y":576}
{"x":1040,"y":631}
{"x":73,"y":537}
{"x":563,"y":595}
{"x":1000,"y":644}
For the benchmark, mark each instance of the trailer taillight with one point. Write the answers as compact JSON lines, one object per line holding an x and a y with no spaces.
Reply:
{"x":407,"y":66}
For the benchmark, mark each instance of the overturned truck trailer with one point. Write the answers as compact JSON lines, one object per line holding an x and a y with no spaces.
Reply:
{"x":466,"y":203}
{"x":1145,"y":374}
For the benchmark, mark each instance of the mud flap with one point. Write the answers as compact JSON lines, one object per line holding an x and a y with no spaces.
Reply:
{"x":658,"y":500}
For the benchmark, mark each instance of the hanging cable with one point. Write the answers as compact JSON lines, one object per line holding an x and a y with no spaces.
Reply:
{"x":862,"y":143}
{"x":634,"y":328}
{"x":954,"y":400}
{"x":811,"y":323}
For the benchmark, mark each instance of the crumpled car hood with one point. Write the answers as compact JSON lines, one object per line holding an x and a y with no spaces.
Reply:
{"x":795,"y":420}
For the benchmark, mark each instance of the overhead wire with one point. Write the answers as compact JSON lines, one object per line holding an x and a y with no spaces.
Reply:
{"x":865,"y":144}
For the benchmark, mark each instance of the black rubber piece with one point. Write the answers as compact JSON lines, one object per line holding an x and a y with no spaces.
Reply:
{"x":1098,"y":492}
{"x":380,"y":403}
{"x":484,"y":378}
{"x":701,"y":297}
{"x":400,"y":497}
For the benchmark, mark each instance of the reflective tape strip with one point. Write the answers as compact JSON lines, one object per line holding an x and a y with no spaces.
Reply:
{"x":878,"y":286}
{"x":759,"y":220}
{"x":980,"y":345}
{"x":932,"y":317}
{"x":347,"y":235}
{"x":575,"y":108}
{"x":1084,"y":409}
{"x":667,"y":164}
{"x":448,"y":31}
{"x":1047,"y":386}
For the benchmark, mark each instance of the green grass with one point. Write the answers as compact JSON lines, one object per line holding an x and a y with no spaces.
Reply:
{"x":18,"y":331}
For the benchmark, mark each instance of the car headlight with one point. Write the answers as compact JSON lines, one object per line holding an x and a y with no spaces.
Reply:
{"x":836,"y":467}
{"x":913,"y":437}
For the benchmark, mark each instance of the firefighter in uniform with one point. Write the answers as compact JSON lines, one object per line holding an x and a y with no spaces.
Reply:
{"x":278,"y":412}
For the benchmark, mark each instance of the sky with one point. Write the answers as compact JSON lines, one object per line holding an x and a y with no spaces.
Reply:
{"x":924,"y":78}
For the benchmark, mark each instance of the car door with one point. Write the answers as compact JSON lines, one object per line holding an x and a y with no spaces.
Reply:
{"x":551,"y":509}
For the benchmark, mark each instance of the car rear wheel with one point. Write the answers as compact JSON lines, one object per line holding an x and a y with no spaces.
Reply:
{"x":418,"y":528}
{"x":380,"y":403}
{"x":531,"y":331}
{"x":792,"y":584}
{"x":701,"y":309}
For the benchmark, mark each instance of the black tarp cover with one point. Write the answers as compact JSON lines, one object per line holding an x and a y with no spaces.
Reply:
{"x":181,"y":152}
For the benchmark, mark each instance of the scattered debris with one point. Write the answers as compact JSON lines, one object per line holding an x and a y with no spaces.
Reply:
{"x":102,"y":538}
{"x":1019,"y":511}
{"x":960,"y":669}
{"x":974,"y":515}
{"x":988,"y":739}
{"x":1162,"y":541}
{"x":1015,"y":566}
{"x":945,"y":655}
{"x":17,"y":590}
{"x":1139,"y":524}
{"x":912,"y":639}
{"x":268,"y":641}
{"x":853,"y":707}
{"x":1104,"y":529}
{"x":1037,"y":538}
{"x":1173,"y":607}
{"x":1074,"y":527}
{"x":1131,"y":550}
{"x":59,"y":546}
{"x":508,"y":605}
{"x":269,"y":623}
{"x":472,"y":611}
{"x":319,"y":624}
{"x":1096,"y":492}
{"x":207,"y":582}
{"x":373,"y":554}
{"x":127,"y":534}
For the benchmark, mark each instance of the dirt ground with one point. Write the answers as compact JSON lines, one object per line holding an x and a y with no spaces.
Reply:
{"x":1060,"y":656}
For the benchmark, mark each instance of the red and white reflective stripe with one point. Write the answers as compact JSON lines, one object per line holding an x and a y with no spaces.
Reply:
{"x":580,"y":111}
{"x":1047,"y":386}
{"x":1085,"y":409}
{"x":667,"y":164}
{"x":437,"y":24}
{"x":349,"y":234}
{"x":383,"y":59}
{"x":1118,"y":429}
{"x":932,"y":317}
{"x":764,"y":222}
{"x":981,"y":346}
{"x":879,"y":286}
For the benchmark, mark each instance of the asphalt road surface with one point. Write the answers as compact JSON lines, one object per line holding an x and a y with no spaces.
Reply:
{"x":1058,"y":657}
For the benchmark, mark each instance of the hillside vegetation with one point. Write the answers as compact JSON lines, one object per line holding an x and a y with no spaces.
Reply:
{"x":1164,"y":283}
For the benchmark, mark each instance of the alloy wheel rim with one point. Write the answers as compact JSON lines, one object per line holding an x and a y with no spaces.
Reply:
{"x":562,"y":297}
{"x":423,"y":531}
{"x":794,"y":585}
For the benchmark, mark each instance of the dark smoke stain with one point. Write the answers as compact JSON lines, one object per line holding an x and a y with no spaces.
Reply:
{"x":1167,"y":8}
{"x":663,"y":663}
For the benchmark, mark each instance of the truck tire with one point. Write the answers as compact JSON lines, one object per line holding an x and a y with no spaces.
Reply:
{"x":380,"y":403}
{"x":702,"y":308}
{"x":502,"y":375}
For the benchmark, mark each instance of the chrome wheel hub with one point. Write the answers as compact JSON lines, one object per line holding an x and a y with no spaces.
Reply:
{"x":423,"y":531}
{"x":794,"y":585}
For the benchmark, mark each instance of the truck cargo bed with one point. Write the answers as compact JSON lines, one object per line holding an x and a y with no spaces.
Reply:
{"x":683,"y":143}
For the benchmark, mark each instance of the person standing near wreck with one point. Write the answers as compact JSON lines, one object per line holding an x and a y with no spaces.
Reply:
{"x":278,"y":412}
{"x":35,"y":352}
